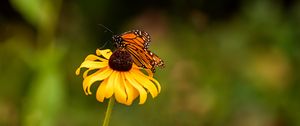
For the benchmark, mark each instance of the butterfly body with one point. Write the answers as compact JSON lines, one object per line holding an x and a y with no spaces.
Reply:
{"x":136,"y":42}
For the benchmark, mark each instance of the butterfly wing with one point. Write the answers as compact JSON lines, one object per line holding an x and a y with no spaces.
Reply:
{"x":155,"y":61}
{"x":136,"y":42}
{"x":139,"y":57}
{"x":136,"y":37}
{"x":144,"y":58}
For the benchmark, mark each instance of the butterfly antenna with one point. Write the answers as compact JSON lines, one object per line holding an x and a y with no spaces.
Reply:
{"x":106,"y":28}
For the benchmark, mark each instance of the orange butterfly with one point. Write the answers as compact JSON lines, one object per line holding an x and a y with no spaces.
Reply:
{"x":136,"y":42}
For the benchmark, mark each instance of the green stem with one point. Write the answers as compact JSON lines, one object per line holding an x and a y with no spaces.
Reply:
{"x":108,"y":111}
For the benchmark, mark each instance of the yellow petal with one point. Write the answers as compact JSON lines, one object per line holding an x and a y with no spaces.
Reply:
{"x":92,"y":65}
{"x":101,"y":90}
{"x":150,"y":73}
{"x":98,"y":76}
{"x":132,"y":93}
{"x":119,"y":89}
{"x":135,"y":66}
{"x":155,"y":82}
{"x":150,"y":78}
{"x":109,"y":91}
{"x":77,"y":72}
{"x":105,"y":53}
{"x":93,"y":57}
{"x":137,"y":86}
{"x":145,"y":82}
{"x":85,"y":73}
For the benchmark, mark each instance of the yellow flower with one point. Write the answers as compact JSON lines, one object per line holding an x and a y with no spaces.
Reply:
{"x":119,"y":75}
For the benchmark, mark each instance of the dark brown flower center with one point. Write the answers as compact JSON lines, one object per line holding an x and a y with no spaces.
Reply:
{"x":120,"y":60}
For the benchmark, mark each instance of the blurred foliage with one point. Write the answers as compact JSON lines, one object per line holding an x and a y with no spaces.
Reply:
{"x":232,"y":63}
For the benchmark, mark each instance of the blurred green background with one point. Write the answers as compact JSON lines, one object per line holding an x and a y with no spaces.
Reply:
{"x":228,"y":63}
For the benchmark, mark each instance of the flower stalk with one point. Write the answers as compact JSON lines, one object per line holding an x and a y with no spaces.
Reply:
{"x":108,"y":111}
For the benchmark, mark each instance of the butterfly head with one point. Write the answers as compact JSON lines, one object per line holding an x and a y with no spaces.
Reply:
{"x":117,"y":40}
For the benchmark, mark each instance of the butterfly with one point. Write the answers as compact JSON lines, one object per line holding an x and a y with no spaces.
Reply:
{"x":137,"y":42}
